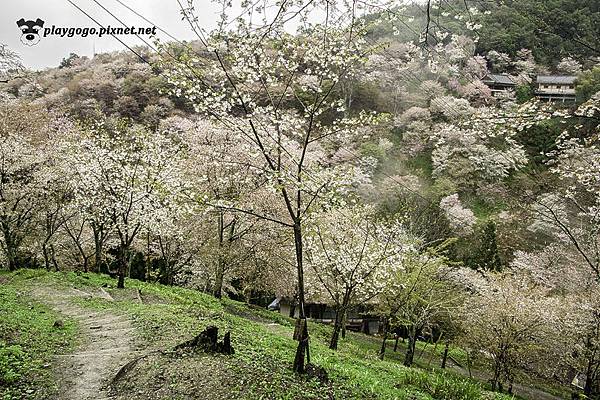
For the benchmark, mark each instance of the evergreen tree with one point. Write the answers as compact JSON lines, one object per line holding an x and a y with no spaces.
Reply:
{"x":486,"y":255}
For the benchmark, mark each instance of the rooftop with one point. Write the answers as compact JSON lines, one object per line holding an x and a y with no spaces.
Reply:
{"x":556,"y":79}
{"x":499,"y":78}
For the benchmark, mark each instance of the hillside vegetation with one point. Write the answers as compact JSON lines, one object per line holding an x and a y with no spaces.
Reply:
{"x":167,"y":316}
{"x":354,"y":161}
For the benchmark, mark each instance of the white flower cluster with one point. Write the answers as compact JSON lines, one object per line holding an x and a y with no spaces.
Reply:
{"x":461,"y":218}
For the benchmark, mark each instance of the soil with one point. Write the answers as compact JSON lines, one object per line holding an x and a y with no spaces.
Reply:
{"x":105,"y":344}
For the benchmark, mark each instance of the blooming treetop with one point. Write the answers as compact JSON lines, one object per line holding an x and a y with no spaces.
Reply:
{"x":351,"y":255}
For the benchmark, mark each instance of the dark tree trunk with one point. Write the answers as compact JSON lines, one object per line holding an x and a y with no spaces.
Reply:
{"x":219,"y":276}
{"x":302,"y":350}
{"x":220,"y":272}
{"x":410,"y":351}
{"x":589,"y":379}
{"x":496,"y":377}
{"x":384,"y":340}
{"x":344,"y":322}
{"x":98,"y":245}
{"x":445,"y":356}
{"x":11,"y":243}
{"x":46,"y":256}
{"x":333,"y":343}
{"x":12,"y":260}
{"x":303,"y":346}
{"x":121,"y":281}
{"x":53,"y":257}
{"x":122,"y":265}
{"x":396,"y":343}
{"x":85,"y":264}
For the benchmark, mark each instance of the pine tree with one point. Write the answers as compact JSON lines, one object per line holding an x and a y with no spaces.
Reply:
{"x":486,"y":256}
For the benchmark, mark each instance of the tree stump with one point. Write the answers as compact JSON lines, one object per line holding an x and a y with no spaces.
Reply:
{"x":207,"y":341}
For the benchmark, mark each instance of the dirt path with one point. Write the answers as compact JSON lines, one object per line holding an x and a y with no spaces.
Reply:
{"x":106,"y":344}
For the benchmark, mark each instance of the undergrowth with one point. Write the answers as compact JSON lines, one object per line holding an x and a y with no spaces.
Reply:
{"x":28,"y":340}
{"x":264,"y":349}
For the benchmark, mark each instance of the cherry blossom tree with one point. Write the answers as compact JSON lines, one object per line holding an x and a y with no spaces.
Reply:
{"x":569,"y":66}
{"x":461,"y":218}
{"x":481,"y":148}
{"x":418,"y":295}
{"x":351,"y":255}
{"x":10,"y":64}
{"x":21,"y":185}
{"x":247,"y":83}
{"x":500,"y":61}
{"x":506,"y":325}
{"x":132,"y":177}
{"x":224,"y":173}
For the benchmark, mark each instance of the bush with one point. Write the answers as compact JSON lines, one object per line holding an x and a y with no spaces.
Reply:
{"x":524,"y":93}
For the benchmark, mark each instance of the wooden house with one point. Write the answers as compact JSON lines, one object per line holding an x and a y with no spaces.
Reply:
{"x":499,"y":83}
{"x":556,"y":88}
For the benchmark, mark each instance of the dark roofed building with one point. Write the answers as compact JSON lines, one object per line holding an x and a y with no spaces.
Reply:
{"x":559,"y":88}
{"x":499,"y":83}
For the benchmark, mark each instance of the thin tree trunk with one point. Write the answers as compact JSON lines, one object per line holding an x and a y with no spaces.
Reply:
{"x":98,"y":244}
{"x":589,"y":381}
{"x":76,"y":241}
{"x":384,"y":340}
{"x":122,"y":265}
{"x":219,"y":277}
{"x":445,"y":356}
{"x":469,"y":364}
{"x":220,"y":272}
{"x":396,"y":343}
{"x":86,"y":263}
{"x":496,"y":377}
{"x":303,"y":346}
{"x":46,"y":256}
{"x":333,"y":343}
{"x":147,"y":271}
{"x":433,"y":354}
{"x":344,"y":322}
{"x":53,"y":257}
{"x":410,"y":351}
{"x":11,"y":246}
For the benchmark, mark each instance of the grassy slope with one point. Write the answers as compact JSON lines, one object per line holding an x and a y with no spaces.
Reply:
{"x":260,"y":367}
{"x":28,"y":339}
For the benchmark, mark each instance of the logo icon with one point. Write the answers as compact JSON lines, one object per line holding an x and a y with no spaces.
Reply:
{"x":30,"y":31}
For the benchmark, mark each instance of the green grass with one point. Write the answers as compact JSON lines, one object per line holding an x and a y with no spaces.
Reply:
{"x":28,"y":339}
{"x":264,"y":350}
{"x":483,"y":210}
{"x":421,"y":164}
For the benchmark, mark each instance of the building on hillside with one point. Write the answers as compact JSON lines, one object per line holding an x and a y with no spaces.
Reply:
{"x":499,"y":83}
{"x":556,"y":88}
{"x":358,"y":320}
